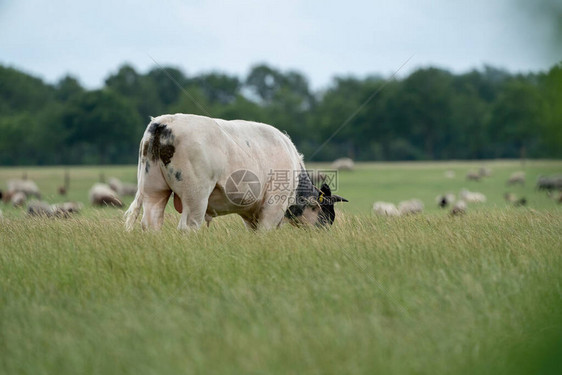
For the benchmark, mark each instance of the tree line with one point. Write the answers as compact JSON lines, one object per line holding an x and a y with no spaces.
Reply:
{"x":432,"y":114}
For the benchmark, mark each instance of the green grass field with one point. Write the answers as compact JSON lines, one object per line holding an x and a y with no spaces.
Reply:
{"x":426,"y":294}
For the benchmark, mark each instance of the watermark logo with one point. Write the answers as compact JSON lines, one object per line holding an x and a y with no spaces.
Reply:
{"x":242,"y":188}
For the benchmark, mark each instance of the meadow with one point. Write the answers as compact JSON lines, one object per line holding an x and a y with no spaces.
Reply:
{"x":425,"y":294}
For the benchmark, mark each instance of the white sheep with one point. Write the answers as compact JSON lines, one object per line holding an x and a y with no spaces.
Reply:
{"x":472,"y":197}
{"x":385,"y":209}
{"x":122,"y":188}
{"x":103,"y":195}
{"x":343,"y":164}
{"x":516,"y":178}
{"x":18,"y":199}
{"x":459,"y":208}
{"x":28,"y":187}
{"x":66,"y":209}
{"x":39,"y":208}
{"x":412,"y":206}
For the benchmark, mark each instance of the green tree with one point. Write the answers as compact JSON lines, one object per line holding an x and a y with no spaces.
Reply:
{"x":516,"y":119}
{"x":67,"y":88}
{"x":551,"y":91}
{"x":102,"y":127}
{"x":217,"y":88}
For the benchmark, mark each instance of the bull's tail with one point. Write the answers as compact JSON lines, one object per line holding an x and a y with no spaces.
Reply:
{"x":133,"y":212}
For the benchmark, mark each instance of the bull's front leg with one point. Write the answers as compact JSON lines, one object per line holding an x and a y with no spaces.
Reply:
{"x":272,"y":213}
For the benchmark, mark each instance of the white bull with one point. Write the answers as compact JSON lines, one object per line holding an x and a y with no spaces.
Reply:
{"x":216,"y":167}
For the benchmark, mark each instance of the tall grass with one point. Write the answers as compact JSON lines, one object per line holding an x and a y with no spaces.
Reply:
{"x":422,"y":294}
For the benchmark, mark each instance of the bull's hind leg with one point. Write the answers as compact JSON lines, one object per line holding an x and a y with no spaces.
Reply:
{"x":154,"y":205}
{"x":155,"y":196}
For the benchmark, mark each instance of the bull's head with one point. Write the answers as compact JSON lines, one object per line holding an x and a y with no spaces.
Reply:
{"x":316,"y":209}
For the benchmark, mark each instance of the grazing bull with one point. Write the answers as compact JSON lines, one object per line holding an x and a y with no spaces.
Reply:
{"x":216,"y":167}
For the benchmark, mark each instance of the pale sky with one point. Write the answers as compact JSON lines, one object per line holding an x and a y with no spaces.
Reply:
{"x":321,"y":39}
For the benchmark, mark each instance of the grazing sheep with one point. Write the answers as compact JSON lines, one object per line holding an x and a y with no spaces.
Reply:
{"x":484,"y":172}
{"x":473,"y":176}
{"x":412,"y":206}
{"x":459,"y":208}
{"x":122,"y":188}
{"x":472,"y":197}
{"x":510,"y":197}
{"x":549,"y":183}
{"x":343,"y":164}
{"x":39,"y":208}
{"x":128,"y":189}
{"x":18,"y":199}
{"x":60,"y":210}
{"x":450,"y":174}
{"x":103,"y":195}
{"x":516,"y":178}
{"x":385,"y":209}
{"x":28,"y":187}
{"x":445,"y":200}
{"x":66,"y":209}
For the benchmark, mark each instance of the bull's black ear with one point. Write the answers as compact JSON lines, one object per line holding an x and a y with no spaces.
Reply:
{"x":325,"y":189}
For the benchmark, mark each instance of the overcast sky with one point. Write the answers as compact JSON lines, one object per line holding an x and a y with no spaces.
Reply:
{"x":91,"y":39}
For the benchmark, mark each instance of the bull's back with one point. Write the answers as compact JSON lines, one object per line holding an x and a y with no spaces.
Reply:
{"x":214,"y":148}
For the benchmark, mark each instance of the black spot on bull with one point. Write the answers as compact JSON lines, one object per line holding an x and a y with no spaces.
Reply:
{"x":160,"y":145}
{"x":166,"y":153}
{"x":178,"y":176}
{"x":147,"y":167}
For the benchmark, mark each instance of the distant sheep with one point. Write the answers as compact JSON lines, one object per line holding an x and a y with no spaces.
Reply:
{"x":412,"y":206}
{"x":385,"y":209}
{"x":103,"y":195}
{"x":18,"y":199}
{"x":66,"y":209}
{"x":510,"y":197}
{"x":28,"y":187}
{"x":450,"y":174}
{"x":60,"y":210}
{"x":122,"y":188}
{"x":459,"y":208}
{"x":39,"y":208}
{"x":549,"y":183}
{"x":472,"y":197}
{"x":343,"y":164}
{"x":473,"y":176}
{"x":516,"y":178}
{"x":445,"y":200}
{"x":484,"y":172}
